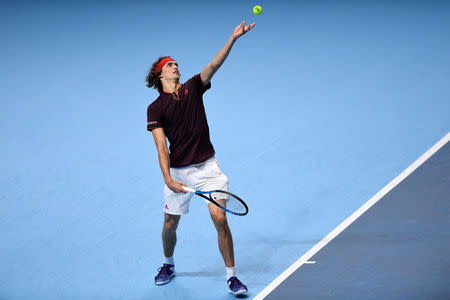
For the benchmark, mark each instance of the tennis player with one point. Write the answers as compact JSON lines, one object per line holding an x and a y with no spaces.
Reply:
{"x":178,"y":114}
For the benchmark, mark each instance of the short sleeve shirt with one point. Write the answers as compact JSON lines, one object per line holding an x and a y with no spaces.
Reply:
{"x":184,"y":122}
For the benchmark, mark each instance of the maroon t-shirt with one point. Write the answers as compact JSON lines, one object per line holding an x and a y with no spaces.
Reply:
{"x":184,"y":123}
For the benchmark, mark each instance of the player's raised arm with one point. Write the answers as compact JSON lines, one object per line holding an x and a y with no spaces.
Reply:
{"x":214,"y":65}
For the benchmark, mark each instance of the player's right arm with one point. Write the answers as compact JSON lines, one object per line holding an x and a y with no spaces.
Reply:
{"x":164,"y":160}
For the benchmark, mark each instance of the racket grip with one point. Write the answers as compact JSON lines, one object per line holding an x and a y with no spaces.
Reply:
{"x":188,"y":189}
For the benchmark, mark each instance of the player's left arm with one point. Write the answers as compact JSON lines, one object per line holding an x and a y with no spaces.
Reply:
{"x":209,"y":71}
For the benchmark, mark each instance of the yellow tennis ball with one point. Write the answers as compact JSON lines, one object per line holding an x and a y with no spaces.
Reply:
{"x":257,"y":10}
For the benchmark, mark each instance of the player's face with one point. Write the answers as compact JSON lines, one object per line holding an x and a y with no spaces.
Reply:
{"x":170,"y":71}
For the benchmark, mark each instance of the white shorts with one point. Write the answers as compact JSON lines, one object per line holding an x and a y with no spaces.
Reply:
{"x":205,"y":176}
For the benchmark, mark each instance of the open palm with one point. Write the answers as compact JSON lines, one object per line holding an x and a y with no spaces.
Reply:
{"x":242,"y":29}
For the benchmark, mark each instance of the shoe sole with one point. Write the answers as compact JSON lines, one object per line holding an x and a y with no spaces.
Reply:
{"x":164,"y":282}
{"x":241,"y":292}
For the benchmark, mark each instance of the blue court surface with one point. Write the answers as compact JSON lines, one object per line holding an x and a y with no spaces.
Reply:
{"x":313,"y":115}
{"x":394,"y":248}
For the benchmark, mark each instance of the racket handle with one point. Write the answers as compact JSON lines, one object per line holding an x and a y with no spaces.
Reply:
{"x":188,"y":189}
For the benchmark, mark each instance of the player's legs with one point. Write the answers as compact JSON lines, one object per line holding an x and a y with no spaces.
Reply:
{"x":169,"y":233}
{"x":219,"y":218}
{"x":175,"y":205}
{"x":169,"y":238}
{"x":223,"y":234}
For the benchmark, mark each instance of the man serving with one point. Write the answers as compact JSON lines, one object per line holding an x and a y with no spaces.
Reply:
{"x":178,"y":114}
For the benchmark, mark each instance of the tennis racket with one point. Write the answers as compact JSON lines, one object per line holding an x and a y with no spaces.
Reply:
{"x":233,"y":204}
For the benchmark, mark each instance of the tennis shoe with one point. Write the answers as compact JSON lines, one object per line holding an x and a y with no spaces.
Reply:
{"x":236,"y":287}
{"x":165,"y":273}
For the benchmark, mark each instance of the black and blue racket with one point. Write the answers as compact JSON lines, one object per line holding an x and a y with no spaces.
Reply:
{"x":233,"y":204}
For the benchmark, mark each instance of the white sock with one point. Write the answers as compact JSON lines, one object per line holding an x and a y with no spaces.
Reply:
{"x":169,"y":260}
{"x":230,"y":272}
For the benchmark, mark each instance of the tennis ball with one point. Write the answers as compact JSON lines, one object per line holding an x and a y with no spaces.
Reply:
{"x":257,"y":10}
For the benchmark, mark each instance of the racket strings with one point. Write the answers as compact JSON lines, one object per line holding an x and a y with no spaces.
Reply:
{"x":232,"y":203}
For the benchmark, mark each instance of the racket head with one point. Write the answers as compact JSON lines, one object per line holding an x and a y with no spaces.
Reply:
{"x":226,"y":201}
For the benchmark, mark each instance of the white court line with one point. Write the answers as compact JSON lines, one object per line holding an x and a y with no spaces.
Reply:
{"x":304,"y":259}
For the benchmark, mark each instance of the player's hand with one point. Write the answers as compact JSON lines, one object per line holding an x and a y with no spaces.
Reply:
{"x":176,"y":186}
{"x":241,"y":29}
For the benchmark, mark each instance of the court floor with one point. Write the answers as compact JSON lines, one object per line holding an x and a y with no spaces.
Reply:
{"x":313,"y":113}
{"x":397,"y":249}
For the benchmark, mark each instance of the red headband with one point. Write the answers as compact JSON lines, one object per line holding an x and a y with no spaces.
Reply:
{"x":162,"y":63}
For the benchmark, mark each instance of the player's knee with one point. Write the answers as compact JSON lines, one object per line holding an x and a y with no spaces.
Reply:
{"x":220,"y":222}
{"x":171,"y":223}
{"x":170,"y":226}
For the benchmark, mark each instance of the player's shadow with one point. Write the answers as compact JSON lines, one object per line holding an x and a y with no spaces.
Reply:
{"x":204,"y":274}
{"x":197,"y":274}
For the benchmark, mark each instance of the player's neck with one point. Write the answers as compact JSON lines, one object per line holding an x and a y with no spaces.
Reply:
{"x":170,"y":86}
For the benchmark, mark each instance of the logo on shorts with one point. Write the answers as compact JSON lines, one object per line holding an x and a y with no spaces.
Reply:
{"x":166,"y":207}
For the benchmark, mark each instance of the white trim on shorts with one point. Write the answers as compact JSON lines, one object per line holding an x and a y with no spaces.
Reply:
{"x":204,"y":176}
